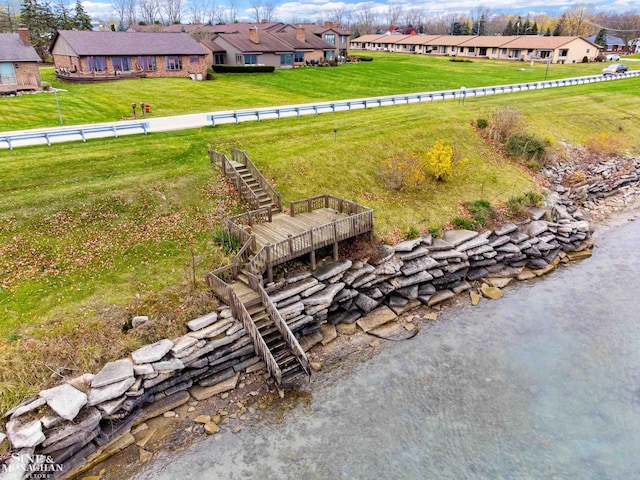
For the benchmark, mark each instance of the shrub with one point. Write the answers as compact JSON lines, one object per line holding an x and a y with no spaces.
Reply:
{"x":45,"y":86}
{"x":402,"y":171}
{"x":228,"y":242}
{"x":460,"y":60}
{"x":482,"y":123}
{"x":210,"y":74}
{"x":604,"y":144}
{"x":517,"y":205}
{"x":243,"y":68}
{"x":435,"y":232}
{"x":412,"y":233}
{"x":585,"y":59}
{"x":481,"y":210}
{"x":440,"y":162}
{"x":534,"y":199}
{"x":365,"y":58}
{"x":506,"y":122}
{"x":464,"y":223}
{"x":526,"y":147}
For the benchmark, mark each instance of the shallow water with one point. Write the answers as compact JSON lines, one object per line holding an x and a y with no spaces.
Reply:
{"x":544,"y":383}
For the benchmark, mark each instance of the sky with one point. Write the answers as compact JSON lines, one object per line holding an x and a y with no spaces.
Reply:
{"x":314,"y":10}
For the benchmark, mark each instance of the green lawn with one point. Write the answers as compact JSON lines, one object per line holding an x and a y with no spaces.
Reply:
{"x":94,"y":233}
{"x":387,"y":74}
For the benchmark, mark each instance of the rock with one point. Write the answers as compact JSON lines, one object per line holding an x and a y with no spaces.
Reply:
{"x":202,"y":419}
{"x":65,"y":400}
{"x":415,"y":253}
{"x":152,"y":353}
{"x":325,"y":272}
{"x":376,"y":318}
{"x":526,"y":274}
{"x":458,"y":237}
{"x":328,"y":332}
{"x":475,"y":298}
{"x":168,"y":365}
{"x":383,"y":253}
{"x":475,"y":243}
{"x":325,"y":296}
{"x":537,"y":227}
{"x":86,"y":421}
{"x":24,"y":435}
{"x":440,"y":297}
{"x":139,"y":320}
{"x":346,"y":328}
{"x":461,"y":287}
{"x":498,"y":282}
{"x":16,"y":465}
{"x":306,"y":293}
{"x":537,"y":213}
{"x":407,"y":245}
{"x":308,"y":341}
{"x":365,"y":303}
{"x":293,"y":289}
{"x":375,"y":343}
{"x":393,"y":331}
{"x":113,"y":372}
{"x":108,"y":392}
{"x":211,"y":428}
{"x":433,"y":316}
{"x":426,"y":289}
{"x":579,"y":254}
{"x":202,"y":393}
{"x":112,"y":406}
{"x":315,"y":366}
{"x":26,"y":407}
{"x":162,"y":405}
{"x":202,"y":322}
{"x":506,"y":229}
{"x":446,"y":254}
{"x":491,"y":292}
{"x":144,"y":455}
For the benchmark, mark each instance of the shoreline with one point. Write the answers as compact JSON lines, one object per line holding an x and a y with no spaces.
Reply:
{"x":243,"y":407}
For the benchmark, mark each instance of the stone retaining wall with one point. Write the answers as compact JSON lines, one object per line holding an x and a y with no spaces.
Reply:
{"x":81,"y":422}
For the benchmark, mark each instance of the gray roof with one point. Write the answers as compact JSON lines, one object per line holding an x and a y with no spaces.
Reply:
{"x":129,"y":43}
{"x":13,"y":50}
{"x":609,"y":39}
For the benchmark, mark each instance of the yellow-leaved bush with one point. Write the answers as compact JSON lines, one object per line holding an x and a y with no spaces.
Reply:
{"x":409,"y":170}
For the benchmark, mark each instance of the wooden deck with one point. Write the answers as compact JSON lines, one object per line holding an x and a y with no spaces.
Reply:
{"x":283,"y":225}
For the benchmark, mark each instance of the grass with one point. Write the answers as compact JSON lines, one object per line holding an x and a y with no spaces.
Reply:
{"x":387,"y":74}
{"x":96,"y":233}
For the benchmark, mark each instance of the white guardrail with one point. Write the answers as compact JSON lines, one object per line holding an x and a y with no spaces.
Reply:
{"x":40,"y":136}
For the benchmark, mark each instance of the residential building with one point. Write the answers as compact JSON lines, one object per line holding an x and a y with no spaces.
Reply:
{"x":94,"y":56}
{"x":18,"y":62}
{"x":613,"y":44}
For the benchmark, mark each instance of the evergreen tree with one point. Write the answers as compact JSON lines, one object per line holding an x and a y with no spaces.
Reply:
{"x":517,"y":30}
{"x":41,"y":23}
{"x":534,"y":28}
{"x":465,"y":30}
{"x":479,"y":26}
{"x":508,"y":30}
{"x":548,"y":32}
{"x":63,"y":17}
{"x":601,"y":38}
{"x":526,"y":28}
{"x":81,"y":20}
{"x":557,"y":31}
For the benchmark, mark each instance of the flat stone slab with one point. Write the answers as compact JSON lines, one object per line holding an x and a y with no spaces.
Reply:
{"x":417,"y":265}
{"x":393,"y":331}
{"x":440,"y":297}
{"x":474,"y":243}
{"x":293,"y":289}
{"x":168,"y":365}
{"x":201,"y":322}
{"x":113,"y":372}
{"x":440,"y":244}
{"x":326,"y":295}
{"x":25,"y":435}
{"x":153,"y":352}
{"x":109,"y":392}
{"x":212,"y":330}
{"x":537,"y":227}
{"x":415,"y":253}
{"x":446,"y":254}
{"x":505,"y":229}
{"x":202,"y":393}
{"x":26,"y":407}
{"x":378,"y":317}
{"x":182,"y":343}
{"x":365,"y":303}
{"x":88,"y":419}
{"x":491,"y":292}
{"x":458,"y":237}
{"x":308,"y":341}
{"x":325,"y":272}
{"x":407,"y":245}
{"x":65,"y":400}
{"x":329,"y":333}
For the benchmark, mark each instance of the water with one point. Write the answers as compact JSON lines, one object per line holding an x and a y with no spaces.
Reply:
{"x":544,"y":383}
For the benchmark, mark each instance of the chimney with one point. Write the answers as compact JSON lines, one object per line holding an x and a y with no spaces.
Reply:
{"x":328,"y":24}
{"x":254,"y":36}
{"x":300,"y":35}
{"x":23,"y":31}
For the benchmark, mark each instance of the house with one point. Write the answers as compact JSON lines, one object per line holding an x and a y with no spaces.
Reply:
{"x":95,"y":56}
{"x":18,"y":62}
{"x":516,"y":47}
{"x":612,"y":43}
{"x":332,"y":34}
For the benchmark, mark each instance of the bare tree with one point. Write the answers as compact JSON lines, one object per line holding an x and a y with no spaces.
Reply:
{"x":231,"y":13}
{"x":337,"y":15}
{"x":149,"y":10}
{"x":8,"y":15}
{"x":366,"y":19}
{"x":172,"y":10}
{"x":197,"y":11}
{"x":269,"y":9}
{"x":393,"y":15}
{"x":626,"y":26}
{"x":413,"y":17}
{"x":578,"y":21}
{"x":256,"y":10}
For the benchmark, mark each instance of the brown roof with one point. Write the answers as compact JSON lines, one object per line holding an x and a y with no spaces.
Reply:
{"x":13,"y":50}
{"x":267,"y":43}
{"x":129,"y":43}
{"x":450,"y":40}
{"x":485,"y":41}
{"x":532,"y":41}
{"x":367,"y":38}
{"x":213,"y":46}
{"x":418,"y":40}
{"x":320,"y":29}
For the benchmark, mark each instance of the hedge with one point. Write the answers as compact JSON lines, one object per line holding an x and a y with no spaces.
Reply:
{"x":243,"y":68}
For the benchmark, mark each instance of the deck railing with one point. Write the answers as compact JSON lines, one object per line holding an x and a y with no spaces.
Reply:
{"x":241,"y":156}
{"x":255,"y":284}
{"x":228,"y":296}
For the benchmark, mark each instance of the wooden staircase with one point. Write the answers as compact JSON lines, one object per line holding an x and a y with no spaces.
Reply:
{"x":291,"y":366}
{"x":264,"y":198}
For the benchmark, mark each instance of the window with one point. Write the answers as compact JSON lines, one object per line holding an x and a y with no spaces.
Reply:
{"x":443,"y":49}
{"x":298,"y":57}
{"x":494,"y":51}
{"x":194,"y":59}
{"x":251,"y":59}
{"x":7,"y":74}
{"x":218,"y":58}
{"x":564,"y":52}
{"x":147,"y":63}
{"x":504,"y":51}
{"x":545,"y":54}
{"x":471,"y":49}
{"x":483,"y":51}
{"x":330,"y":38}
{"x":529,"y":52}
{"x":286,"y":59}
{"x":343,"y":39}
{"x":328,"y":55}
{"x":96,"y":64}
{"x":173,"y":62}
{"x":121,"y":64}
{"x":238,"y":59}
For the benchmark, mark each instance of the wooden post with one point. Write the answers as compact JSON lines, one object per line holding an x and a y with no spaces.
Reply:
{"x":291,"y":245}
{"x":269,"y":265}
{"x":291,"y":212}
{"x":250,"y":220}
{"x":326,"y":201}
{"x":269,"y":212}
{"x":313,"y":251}
{"x":335,"y":243}
{"x":309,"y":207}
